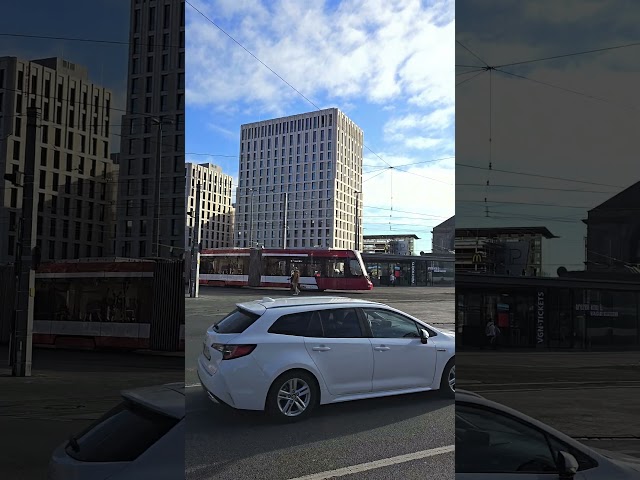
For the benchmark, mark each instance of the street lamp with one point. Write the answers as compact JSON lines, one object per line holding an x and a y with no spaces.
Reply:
{"x":160,"y":122}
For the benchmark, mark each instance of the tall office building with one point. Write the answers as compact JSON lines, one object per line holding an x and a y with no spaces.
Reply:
{"x":151,"y":187}
{"x":216,"y":217}
{"x":74,"y":174}
{"x":301,"y":173}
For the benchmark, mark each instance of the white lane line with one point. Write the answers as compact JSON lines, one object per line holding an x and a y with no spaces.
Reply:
{"x":551,"y":389}
{"x":193,"y":385}
{"x":363,"y":467}
{"x":529,"y":384}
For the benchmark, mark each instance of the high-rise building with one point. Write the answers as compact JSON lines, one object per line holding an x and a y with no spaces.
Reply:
{"x":74,"y":174}
{"x":216,"y":218}
{"x":301,"y":173}
{"x":151,"y":188}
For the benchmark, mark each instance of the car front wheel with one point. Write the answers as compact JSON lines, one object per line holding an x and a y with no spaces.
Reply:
{"x":292,"y":397}
{"x":448,"y":382}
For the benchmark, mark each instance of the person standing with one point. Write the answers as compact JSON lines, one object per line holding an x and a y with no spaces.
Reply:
{"x":295,"y":281}
{"x":392,"y":280}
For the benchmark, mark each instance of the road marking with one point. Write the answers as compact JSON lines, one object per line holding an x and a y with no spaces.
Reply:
{"x":528,"y":384}
{"x":549,"y":389}
{"x":193,"y":385}
{"x":363,"y":467}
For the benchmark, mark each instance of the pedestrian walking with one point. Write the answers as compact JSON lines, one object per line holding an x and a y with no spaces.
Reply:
{"x":492,"y":331}
{"x":392,"y":280}
{"x":295,"y":281}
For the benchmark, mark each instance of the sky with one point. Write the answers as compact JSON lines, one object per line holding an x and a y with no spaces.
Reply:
{"x":387,"y":64}
{"x":94,"y":20}
{"x":574,"y":118}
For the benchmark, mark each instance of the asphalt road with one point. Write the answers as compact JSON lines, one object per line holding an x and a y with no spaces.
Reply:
{"x":591,"y":396}
{"x":399,"y":437}
{"x":66,"y":392}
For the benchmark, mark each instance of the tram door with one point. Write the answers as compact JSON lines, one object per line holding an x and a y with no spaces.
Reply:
{"x":255,"y":267}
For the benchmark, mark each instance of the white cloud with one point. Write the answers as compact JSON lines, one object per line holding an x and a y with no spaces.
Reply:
{"x":423,"y":131}
{"x":225,"y":131}
{"x":374,"y":50}
{"x":423,"y":143}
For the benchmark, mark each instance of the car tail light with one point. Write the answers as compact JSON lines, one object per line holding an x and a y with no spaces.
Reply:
{"x":229,"y":352}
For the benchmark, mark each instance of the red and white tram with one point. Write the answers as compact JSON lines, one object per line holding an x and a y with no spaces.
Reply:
{"x":103,"y":303}
{"x":320,"y":269}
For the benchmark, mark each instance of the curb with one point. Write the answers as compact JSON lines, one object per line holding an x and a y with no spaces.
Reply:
{"x":159,"y":354}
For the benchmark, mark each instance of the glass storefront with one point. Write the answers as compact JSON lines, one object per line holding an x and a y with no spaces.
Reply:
{"x":549,"y":317}
{"x":413,"y":271}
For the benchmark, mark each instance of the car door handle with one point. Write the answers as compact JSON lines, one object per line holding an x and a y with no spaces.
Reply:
{"x":382,"y":348}
{"x":321,"y":349}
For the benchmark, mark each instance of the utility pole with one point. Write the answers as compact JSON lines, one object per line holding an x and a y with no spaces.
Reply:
{"x":358,"y":220}
{"x":251,"y":218}
{"x":26,"y":275}
{"x":284,"y":221}
{"x":195,"y":247}
{"x":156,"y":213}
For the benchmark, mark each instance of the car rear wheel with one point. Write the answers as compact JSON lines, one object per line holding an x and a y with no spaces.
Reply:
{"x":292,"y":397}
{"x":448,"y":382}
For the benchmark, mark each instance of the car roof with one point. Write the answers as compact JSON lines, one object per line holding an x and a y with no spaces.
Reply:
{"x":262,"y":305}
{"x":166,"y":399}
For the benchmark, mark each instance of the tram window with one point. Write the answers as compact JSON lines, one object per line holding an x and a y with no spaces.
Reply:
{"x":237,"y":265}
{"x":207,"y":265}
{"x":275,"y":266}
{"x":336,"y":268}
{"x":311,"y":269}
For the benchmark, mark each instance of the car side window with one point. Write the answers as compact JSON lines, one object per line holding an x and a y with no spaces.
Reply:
{"x":341,"y":323}
{"x":387,"y":324}
{"x":490,"y":442}
{"x":302,"y":324}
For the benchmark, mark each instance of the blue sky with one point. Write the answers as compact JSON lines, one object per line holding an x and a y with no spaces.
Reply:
{"x":387,"y":65}
{"x":542,"y":130}
{"x":97,"y":19}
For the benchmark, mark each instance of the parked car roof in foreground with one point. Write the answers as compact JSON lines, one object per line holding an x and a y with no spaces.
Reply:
{"x":166,"y":399}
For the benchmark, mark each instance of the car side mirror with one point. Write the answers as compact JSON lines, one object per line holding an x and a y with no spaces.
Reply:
{"x":424,"y":335}
{"x":567,"y":465}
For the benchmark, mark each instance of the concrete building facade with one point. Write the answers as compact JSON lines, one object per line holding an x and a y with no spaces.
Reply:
{"x":444,"y":236}
{"x":391,"y":244}
{"x":303,"y":170}
{"x":75,"y":177}
{"x":151,"y":195}
{"x":216,"y":212}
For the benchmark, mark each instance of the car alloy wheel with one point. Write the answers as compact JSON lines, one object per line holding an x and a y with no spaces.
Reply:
{"x":452,"y":379}
{"x":294,"y":397}
{"x":448,"y":380}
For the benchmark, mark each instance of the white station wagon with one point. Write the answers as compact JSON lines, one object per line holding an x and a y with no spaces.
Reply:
{"x":287,"y":356}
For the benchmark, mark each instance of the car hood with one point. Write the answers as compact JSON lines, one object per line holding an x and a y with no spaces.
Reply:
{"x":620,"y":459}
